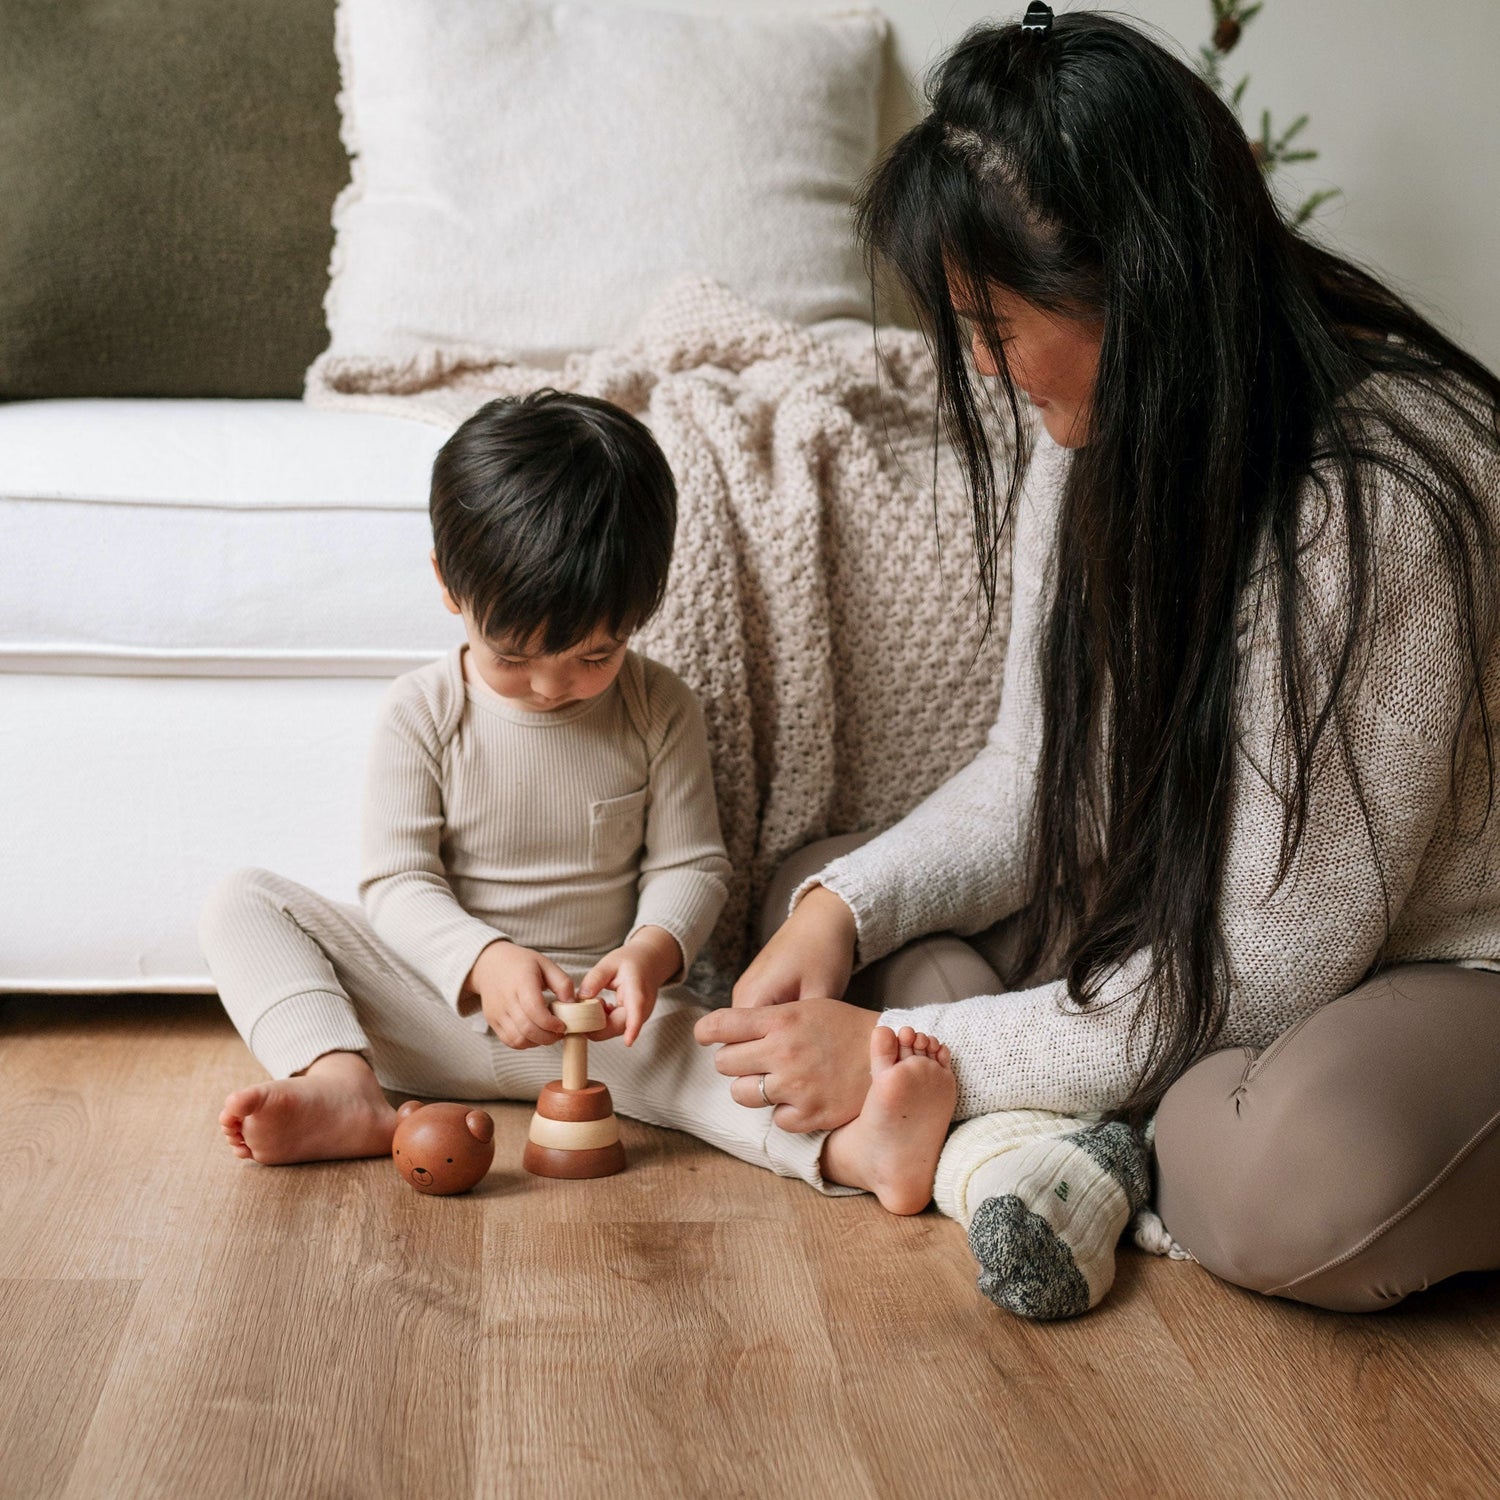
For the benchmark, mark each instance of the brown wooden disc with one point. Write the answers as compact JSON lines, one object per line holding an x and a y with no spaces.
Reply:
{"x":591,"y":1103}
{"x":604,"y":1161}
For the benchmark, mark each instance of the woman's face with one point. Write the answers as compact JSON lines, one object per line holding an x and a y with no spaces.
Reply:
{"x":1052,"y":359}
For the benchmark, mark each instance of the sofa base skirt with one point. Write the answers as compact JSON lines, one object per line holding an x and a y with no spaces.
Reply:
{"x":125,"y":799}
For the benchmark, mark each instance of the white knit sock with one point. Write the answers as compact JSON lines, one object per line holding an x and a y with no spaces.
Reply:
{"x":1045,"y":1198}
{"x":974,"y":1143}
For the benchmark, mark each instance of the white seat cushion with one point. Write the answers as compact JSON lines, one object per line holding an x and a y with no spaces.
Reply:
{"x":125,"y":800}
{"x":215,"y":538}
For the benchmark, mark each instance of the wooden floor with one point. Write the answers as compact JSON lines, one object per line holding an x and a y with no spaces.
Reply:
{"x":176,"y":1322}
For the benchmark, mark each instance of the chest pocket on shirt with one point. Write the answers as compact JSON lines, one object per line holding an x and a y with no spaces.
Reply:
{"x":617,"y":829}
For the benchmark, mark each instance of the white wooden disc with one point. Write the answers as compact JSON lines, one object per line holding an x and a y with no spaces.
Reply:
{"x":580,"y":1015}
{"x":574,"y":1135}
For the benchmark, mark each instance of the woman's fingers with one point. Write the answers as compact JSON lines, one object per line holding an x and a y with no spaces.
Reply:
{"x":746,"y":1091}
{"x":817,"y":1050}
{"x":727,"y":1026}
{"x":745,"y":1059}
{"x":789,"y":1115}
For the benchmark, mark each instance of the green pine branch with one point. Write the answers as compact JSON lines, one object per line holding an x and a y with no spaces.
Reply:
{"x":1271,"y":150}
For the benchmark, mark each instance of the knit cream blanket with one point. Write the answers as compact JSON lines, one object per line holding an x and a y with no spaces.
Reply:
{"x":821,"y":601}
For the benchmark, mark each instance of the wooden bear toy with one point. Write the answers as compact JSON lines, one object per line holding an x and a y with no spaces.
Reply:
{"x":442,"y":1148}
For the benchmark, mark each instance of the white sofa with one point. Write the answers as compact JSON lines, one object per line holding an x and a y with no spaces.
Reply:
{"x":201,"y":603}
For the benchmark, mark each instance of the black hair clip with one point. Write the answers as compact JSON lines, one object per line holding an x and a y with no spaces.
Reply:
{"x":1038,"y":18}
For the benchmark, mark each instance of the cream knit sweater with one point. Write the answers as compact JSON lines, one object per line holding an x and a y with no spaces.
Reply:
{"x":562,"y":831}
{"x":957,"y":861}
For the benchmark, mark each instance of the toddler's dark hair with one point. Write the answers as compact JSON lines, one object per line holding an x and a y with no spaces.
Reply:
{"x":553,"y":514}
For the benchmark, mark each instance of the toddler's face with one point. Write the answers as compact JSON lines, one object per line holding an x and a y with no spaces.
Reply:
{"x":545,"y":683}
{"x":519,"y":670}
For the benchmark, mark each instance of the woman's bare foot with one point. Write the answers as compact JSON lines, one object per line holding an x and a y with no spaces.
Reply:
{"x":891,"y":1148}
{"x":332,"y":1110}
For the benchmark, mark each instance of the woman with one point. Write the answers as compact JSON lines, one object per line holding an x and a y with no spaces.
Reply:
{"x":1240,"y":792}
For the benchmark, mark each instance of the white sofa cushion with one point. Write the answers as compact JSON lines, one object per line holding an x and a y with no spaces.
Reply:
{"x":529,"y":176}
{"x":125,"y":800}
{"x":215,"y":537}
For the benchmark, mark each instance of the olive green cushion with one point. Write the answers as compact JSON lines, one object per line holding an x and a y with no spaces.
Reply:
{"x":167,"y":177}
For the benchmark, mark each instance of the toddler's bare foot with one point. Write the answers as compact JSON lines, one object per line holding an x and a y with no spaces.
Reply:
{"x":891,"y":1148}
{"x":333,"y":1110}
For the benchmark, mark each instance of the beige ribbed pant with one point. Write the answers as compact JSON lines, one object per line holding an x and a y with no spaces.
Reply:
{"x":301,"y":975}
{"x":1353,"y":1161}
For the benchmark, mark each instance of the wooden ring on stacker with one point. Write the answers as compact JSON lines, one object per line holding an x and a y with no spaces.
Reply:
{"x":579,"y":1015}
{"x":545,"y":1162}
{"x":591,"y":1103}
{"x":574,"y":1135}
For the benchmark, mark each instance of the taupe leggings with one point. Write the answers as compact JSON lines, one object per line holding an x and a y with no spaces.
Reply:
{"x":1353,"y":1161}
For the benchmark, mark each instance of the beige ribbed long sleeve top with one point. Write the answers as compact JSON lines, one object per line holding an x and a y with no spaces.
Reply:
{"x":563,"y":831}
{"x":958,"y":861}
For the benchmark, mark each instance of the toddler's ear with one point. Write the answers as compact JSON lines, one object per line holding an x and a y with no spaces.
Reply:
{"x":449,"y":602}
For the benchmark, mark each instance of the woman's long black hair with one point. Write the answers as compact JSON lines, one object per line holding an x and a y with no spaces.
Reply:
{"x":1093,"y":174}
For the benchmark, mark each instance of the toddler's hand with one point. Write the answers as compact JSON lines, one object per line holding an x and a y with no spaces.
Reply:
{"x":509,"y":981}
{"x":810,"y":954}
{"x":635,"y":972}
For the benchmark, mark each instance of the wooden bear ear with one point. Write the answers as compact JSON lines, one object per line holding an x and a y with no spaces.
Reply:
{"x":409,"y":1108}
{"x":481,"y":1126}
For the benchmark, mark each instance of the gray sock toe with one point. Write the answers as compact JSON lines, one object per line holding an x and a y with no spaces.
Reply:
{"x":1121,"y":1153}
{"x":1025,"y":1267}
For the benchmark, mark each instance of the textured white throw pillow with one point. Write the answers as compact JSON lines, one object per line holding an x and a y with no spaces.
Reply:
{"x":529,"y":176}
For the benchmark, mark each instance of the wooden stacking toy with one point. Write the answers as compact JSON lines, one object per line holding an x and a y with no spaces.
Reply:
{"x":442,"y":1148}
{"x":574,"y":1132}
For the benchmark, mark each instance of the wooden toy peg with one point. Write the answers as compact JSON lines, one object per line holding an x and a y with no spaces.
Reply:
{"x":574,"y":1132}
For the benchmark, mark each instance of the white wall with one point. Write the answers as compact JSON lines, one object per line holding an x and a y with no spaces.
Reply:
{"x":1405,"y":103}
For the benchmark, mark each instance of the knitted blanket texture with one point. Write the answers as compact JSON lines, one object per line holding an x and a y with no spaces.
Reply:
{"x":820,"y":602}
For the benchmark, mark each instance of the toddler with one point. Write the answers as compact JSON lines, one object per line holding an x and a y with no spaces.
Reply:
{"x":539,"y":818}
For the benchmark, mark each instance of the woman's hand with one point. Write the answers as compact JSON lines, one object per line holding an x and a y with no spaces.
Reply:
{"x":815,"y":1054}
{"x":810,"y":954}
